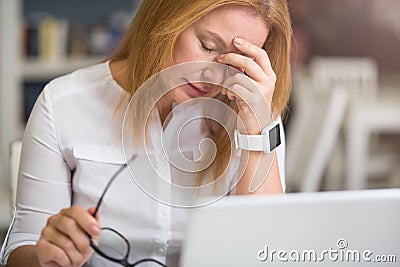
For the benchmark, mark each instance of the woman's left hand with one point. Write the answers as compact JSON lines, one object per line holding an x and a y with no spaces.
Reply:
{"x":252,"y":91}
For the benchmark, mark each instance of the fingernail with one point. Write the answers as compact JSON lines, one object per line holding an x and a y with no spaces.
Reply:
{"x":238,"y":41}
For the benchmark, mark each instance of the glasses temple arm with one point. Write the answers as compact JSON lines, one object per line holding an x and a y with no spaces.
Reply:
{"x":115,"y":175}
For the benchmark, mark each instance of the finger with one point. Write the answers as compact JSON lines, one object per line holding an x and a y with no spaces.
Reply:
{"x":71,"y":229}
{"x":241,"y":104}
{"x":236,"y":91}
{"x":94,"y":238}
{"x":48,"y":252}
{"x":243,"y":80}
{"x":237,"y":69}
{"x":247,"y":64}
{"x":83,"y":218}
{"x":92,"y":210}
{"x":63,"y":242}
{"x":230,"y":95}
{"x":259,"y":54}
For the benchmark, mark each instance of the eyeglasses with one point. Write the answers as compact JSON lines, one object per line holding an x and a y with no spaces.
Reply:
{"x":112,"y":245}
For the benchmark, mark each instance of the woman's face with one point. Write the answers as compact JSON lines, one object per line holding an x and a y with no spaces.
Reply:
{"x":211,"y":36}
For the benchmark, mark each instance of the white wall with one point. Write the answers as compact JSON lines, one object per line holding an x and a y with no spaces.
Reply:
{"x":10,"y":119}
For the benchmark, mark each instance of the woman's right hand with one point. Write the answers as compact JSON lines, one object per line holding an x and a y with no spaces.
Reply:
{"x":64,"y":241}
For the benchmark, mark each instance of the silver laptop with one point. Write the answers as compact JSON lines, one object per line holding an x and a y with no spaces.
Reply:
{"x":347,"y":228}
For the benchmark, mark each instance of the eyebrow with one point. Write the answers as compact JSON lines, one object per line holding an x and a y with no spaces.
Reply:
{"x":218,"y":37}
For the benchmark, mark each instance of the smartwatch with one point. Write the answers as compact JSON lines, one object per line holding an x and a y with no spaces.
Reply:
{"x":267,"y":141}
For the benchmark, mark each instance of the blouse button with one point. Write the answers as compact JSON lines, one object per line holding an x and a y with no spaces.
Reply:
{"x":161,"y":251}
{"x":162,"y":157}
{"x":156,"y":238}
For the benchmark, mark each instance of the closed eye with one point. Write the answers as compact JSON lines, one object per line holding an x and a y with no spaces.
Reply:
{"x":206,"y":49}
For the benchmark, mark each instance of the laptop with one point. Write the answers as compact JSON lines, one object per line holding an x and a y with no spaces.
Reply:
{"x":346,"y":228}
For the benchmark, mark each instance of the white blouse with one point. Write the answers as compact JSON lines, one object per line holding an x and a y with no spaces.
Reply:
{"x":72,"y":147}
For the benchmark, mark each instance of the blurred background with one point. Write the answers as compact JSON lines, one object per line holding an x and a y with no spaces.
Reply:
{"x":343,"y":121}
{"x":343,"y":125}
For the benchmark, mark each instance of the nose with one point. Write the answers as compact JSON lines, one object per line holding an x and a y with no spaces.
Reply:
{"x":214,"y":73}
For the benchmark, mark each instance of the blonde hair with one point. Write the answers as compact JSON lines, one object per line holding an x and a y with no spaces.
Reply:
{"x":148,"y":47}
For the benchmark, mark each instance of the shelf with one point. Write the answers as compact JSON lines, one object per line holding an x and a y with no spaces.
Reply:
{"x":39,"y":70}
{"x":15,"y":70}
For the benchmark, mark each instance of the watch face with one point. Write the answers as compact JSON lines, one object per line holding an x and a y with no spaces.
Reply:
{"x":274,"y":137}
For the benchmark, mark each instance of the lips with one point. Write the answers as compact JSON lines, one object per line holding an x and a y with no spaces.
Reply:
{"x":199,"y":88}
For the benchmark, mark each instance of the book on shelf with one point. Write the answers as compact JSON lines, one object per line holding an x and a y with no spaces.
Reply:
{"x":50,"y":39}
{"x":53,"y":39}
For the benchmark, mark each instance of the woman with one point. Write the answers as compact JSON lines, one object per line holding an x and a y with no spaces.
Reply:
{"x":72,"y":143}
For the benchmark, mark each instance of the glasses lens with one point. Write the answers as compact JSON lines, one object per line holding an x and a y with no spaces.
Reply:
{"x":112,"y":244}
